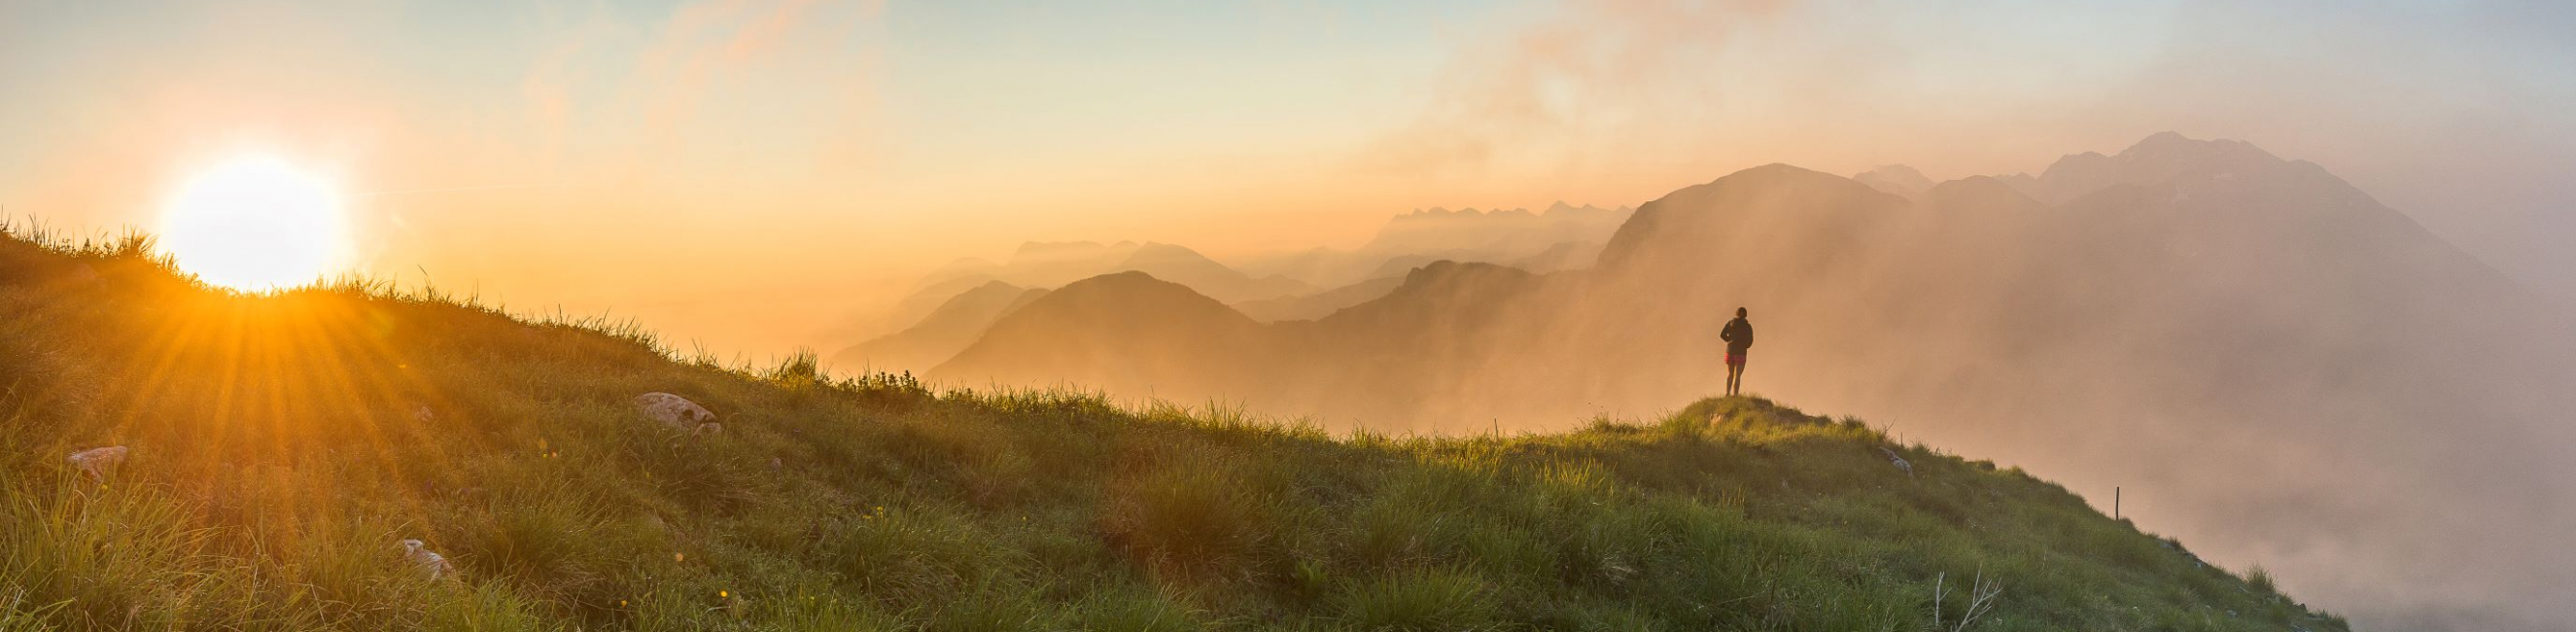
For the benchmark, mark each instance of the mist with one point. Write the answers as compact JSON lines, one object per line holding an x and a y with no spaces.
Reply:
{"x":755,"y":179}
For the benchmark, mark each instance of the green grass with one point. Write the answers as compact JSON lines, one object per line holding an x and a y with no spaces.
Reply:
{"x":277,"y":461}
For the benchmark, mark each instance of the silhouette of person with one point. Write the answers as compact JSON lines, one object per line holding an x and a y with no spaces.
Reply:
{"x":1738,"y":335}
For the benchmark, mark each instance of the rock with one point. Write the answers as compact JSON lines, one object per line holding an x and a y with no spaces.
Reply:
{"x":1908,"y":468}
{"x":708,"y":428}
{"x":673,"y":411}
{"x":429,"y":562}
{"x":422,"y":412}
{"x":97,"y":461}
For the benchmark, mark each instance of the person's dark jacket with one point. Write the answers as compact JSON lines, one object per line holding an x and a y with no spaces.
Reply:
{"x":1738,"y":335}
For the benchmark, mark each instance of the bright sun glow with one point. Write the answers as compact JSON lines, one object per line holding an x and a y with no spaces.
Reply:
{"x":256,"y":223}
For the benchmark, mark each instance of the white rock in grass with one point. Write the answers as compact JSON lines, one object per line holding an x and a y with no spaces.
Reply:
{"x":429,"y":562}
{"x":423,"y":413}
{"x":1908,"y":468}
{"x":97,"y":461}
{"x":672,"y":410}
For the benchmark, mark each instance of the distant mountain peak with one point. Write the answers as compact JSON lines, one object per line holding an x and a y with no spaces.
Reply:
{"x":996,"y":286}
{"x":1130,"y":278}
{"x":1976,"y":186}
{"x":1153,"y":254}
{"x":2174,"y":146}
{"x":1772,"y":173}
{"x":1897,"y":179}
{"x":2159,"y":158}
{"x":1447,"y":271}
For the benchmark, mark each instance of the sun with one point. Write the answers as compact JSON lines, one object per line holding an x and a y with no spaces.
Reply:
{"x":256,"y":222}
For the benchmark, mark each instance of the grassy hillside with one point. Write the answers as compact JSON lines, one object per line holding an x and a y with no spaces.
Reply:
{"x":283,"y":445}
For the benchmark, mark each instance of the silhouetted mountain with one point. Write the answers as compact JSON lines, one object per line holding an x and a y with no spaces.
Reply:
{"x":2179,"y":316}
{"x":1416,"y":239}
{"x":1128,"y":329}
{"x":1050,"y":264}
{"x":2160,"y":159}
{"x":1555,"y":238}
{"x":928,"y":297}
{"x":1900,"y":180}
{"x":960,"y":268}
{"x":1438,"y":230}
{"x":942,"y":333}
{"x":1187,"y":267}
{"x":1319,"y":304}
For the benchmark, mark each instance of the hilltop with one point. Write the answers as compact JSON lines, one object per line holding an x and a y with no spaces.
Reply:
{"x":282,"y":445}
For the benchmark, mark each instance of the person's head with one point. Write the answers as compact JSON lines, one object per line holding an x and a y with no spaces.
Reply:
{"x":1739,"y":312}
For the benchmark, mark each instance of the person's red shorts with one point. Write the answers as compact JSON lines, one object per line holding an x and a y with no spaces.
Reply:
{"x":1735,"y":359}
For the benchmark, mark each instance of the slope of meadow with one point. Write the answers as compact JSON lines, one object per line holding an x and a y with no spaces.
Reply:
{"x":282,"y":445}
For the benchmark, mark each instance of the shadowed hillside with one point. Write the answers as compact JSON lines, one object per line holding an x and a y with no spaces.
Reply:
{"x":282,"y":447}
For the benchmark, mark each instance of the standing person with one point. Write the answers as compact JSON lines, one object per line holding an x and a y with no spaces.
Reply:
{"x":1738,"y":335}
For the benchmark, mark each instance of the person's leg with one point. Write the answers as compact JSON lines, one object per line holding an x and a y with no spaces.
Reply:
{"x":1733,"y":371}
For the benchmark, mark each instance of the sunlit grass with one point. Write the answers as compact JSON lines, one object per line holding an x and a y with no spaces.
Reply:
{"x":279,"y":455}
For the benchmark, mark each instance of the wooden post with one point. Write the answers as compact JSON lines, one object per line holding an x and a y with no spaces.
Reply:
{"x":2115,"y":502}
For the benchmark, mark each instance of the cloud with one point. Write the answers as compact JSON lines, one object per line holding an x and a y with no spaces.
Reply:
{"x":1585,"y":66}
{"x":644,"y":94}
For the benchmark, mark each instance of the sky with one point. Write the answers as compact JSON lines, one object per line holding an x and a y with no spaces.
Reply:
{"x":747,"y":175}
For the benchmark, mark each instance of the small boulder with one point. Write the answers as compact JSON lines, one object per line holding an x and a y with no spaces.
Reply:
{"x":1899,"y":461}
{"x":673,"y":411}
{"x":435,"y":565}
{"x":95,"y":462}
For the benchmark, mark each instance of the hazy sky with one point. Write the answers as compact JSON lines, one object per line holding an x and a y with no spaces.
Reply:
{"x":691,"y":163}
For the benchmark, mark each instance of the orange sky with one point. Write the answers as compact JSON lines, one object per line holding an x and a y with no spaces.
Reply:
{"x":752,"y":174}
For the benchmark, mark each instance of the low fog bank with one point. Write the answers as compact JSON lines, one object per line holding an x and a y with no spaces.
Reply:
{"x":2275,"y":367}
